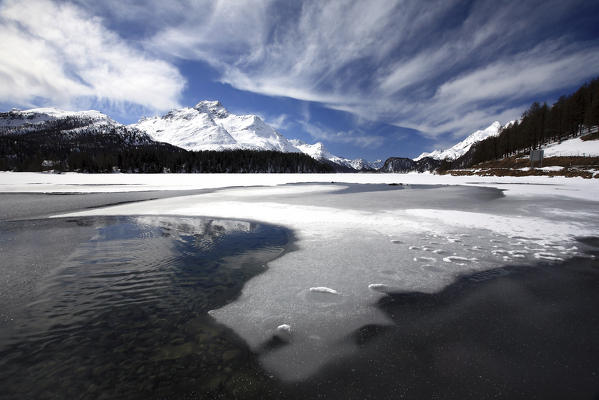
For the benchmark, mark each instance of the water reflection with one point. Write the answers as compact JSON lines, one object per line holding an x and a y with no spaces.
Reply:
{"x":124,"y":313}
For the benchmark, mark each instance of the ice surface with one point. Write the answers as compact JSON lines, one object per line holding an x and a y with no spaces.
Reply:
{"x":362,"y":241}
{"x":529,"y":186}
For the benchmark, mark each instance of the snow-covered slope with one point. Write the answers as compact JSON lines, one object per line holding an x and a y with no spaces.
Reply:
{"x":319,"y":152}
{"x":462,"y":147}
{"x":70,"y":124}
{"x":572,"y":147}
{"x":209,"y":126}
{"x":35,"y":116}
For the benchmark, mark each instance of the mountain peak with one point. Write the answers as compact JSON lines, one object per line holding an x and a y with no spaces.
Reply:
{"x":213,"y":107}
{"x":209,"y":126}
{"x":462,"y":147}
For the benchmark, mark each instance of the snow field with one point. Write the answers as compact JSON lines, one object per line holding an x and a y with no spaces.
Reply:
{"x":32,"y":182}
{"x":572,"y":147}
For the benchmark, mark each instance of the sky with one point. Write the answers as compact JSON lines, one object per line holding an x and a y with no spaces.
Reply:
{"x":371,"y":79}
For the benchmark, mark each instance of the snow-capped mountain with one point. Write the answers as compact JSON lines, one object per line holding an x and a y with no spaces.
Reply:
{"x":209,"y":126}
{"x":69,"y":124}
{"x":36,"y":116}
{"x":462,"y":147}
{"x":319,"y":152}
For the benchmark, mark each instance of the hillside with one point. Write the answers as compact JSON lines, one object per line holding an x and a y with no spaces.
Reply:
{"x":462,"y":147}
{"x":566,"y":131}
{"x":578,"y":156}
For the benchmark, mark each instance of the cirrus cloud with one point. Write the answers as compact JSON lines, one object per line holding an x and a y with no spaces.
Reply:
{"x":439,"y":67}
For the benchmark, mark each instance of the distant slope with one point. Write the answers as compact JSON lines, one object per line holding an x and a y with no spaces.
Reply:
{"x":571,"y":116}
{"x":319,"y":152}
{"x":462,"y":147}
{"x":35,"y":116}
{"x":405,"y":165}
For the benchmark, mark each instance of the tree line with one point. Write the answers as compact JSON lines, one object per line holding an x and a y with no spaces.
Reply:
{"x":570,"y":116}
{"x":109,"y":149}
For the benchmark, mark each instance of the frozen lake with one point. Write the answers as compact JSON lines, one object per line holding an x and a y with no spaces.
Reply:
{"x":360,"y":241}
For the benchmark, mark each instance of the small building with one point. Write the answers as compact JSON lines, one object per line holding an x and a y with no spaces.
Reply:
{"x":536,"y":156}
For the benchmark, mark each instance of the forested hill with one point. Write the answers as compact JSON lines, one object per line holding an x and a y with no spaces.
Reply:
{"x":570,"y":116}
{"x":84,"y":145}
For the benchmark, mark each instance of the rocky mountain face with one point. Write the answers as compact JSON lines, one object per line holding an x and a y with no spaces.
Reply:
{"x":405,"y":165}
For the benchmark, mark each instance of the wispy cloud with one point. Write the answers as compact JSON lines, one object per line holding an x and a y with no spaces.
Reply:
{"x":353,"y":137}
{"x":278,"y":122}
{"x":442,"y":67}
{"x":59,"y":53}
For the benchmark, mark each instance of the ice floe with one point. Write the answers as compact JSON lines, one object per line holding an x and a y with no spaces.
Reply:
{"x":323,"y":289}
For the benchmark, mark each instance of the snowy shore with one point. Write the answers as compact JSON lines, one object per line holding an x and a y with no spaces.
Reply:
{"x":81,"y":183}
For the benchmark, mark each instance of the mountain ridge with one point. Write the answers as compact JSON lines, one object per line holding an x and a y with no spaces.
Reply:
{"x":210,"y":126}
{"x":462,"y":147}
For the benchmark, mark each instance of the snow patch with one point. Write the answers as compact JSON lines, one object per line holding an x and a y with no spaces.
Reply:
{"x":323,"y":289}
{"x":284,"y":328}
{"x":572,"y":147}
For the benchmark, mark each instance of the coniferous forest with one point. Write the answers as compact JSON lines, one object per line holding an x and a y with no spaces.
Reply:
{"x":570,"y":116}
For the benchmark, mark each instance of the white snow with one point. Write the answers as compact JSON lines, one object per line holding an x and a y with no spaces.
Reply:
{"x":319,"y":152}
{"x":209,"y":126}
{"x":323,"y":289}
{"x":548,"y":169}
{"x":346,"y":239}
{"x":39,"y":115}
{"x":459,"y":260}
{"x":530,"y":186}
{"x":284,"y":328}
{"x":462,"y":147}
{"x":572,"y":147}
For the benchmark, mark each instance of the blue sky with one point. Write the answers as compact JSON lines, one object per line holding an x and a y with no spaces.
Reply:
{"x":373,"y":78}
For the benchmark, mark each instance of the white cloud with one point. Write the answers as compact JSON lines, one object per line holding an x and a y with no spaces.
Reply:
{"x":355,"y":138}
{"x":279,"y":122}
{"x":62,"y":55}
